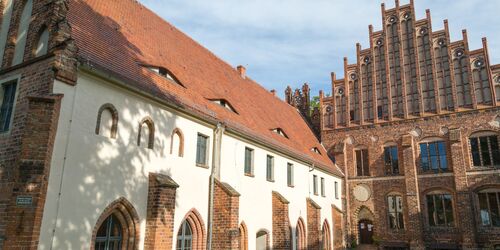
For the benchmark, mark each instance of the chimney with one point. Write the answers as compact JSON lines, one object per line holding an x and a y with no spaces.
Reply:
{"x":242,"y":71}
{"x":273,"y":91}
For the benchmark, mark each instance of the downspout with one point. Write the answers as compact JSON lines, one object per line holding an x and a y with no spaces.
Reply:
{"x":216,"y":159}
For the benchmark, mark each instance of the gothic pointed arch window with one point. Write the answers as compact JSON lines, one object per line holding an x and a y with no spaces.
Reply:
{"x":464,"y":92}
{"x":394,"y":70}
{"x":409,"y":67}
{"x":4,"y":30}
{"x":426,"y":71}
{"x":326,"y":233}
{"x":341,"y":104}
{"x":117,"y":227}
{"x":177,"y":143}
{"x":146,"y":135}
{"x":191,"y":234}
{"x":300,"y":240}
{"x":354,"y":94}
{"x":42,"y":44}
{"x":328,"y":117}
{"x":22,"y":32}
{"x":243,"y":243}
{"x":381,"y":80}
{"x":107,"y":121}
{"x":367,"y":87}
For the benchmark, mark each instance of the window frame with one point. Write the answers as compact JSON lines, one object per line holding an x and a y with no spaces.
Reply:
{"x":290,"y":175}
{"x":480,"y":151}
{"x":11,"y":80}
{"x":315,"y":184}
{"x":435,"y":144}
{"x":249,"y":170}
{"x":487,"y":192}
{"x":428,"y":211}
{"x":183,"y":238}
{"x":270,"y":168}
{"x":336,"y":186}
{"x":207,"y":150}
{"x":365,"y":166}
{"x":391,"y":165}
{"x":399,"y":221}
{"x":322,"y":186}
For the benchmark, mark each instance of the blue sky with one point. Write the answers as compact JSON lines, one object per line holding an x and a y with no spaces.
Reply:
{"x":290,"y":42}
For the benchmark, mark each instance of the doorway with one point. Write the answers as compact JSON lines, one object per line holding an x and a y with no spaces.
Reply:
{"x":365,"y":228}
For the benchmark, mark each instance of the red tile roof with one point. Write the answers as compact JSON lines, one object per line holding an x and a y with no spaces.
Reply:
{"x":120,"y":35}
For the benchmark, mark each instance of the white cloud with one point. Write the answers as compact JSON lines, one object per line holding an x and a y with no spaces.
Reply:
{"x":295,"y":41}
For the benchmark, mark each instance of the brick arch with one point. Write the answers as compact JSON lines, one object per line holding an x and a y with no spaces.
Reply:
{"x":431,"y":138}
{"x":178,"y":132}
{"x":327,"y":236}
{"x":268,"y":236}
{"x":195,"y":221}
{"x":243,"y":243}
{"x":151,"y":125}
{"x":302,"y":240}
{"x":129,"y":220}
{"x":438,"y":188}
{"x":362,"y":208}
{"x":114,"y":115}
{"x":41,"y":29}
{"x":482,"y":186}
{"x":483,"y":131}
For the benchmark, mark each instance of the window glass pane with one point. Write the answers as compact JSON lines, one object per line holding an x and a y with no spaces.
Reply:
{"x":424,"y":160}
{"x":391,"y":203}
{"x":495,"y":216}
{"x":270,"y":164}
{"x":366,"y":171}
{"x":449,"y":209}
{"x":201,"y":150}
{"x":290,"y":174}
{"x":474,"y":144}
{"x":483,"y":209}
{"x":440,"y":217}
{"x":315,"y":184}
{"x":485,"y":152}
{"x":442,"y":155}
{"x":359,"y":163}
{"x":431,"y":210}
{"x":7,"y":105}
{"x":495,"y":151}
{"x":248,"y":160}
{"x":395,"y":162}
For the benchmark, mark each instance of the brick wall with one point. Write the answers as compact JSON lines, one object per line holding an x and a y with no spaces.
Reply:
{"x":23,"y":221}
{"x":281,"y":222}
{"x":462,"y":180}
{"x":313,"y":225}
{"x":338,"y":235}
{"x":35,"y":78}
{"x":226,"y":214}
{"x":160,"y":212}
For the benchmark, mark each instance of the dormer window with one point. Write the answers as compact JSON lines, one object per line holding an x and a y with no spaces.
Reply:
{"x":316,"y":150}
{"x":280,"y":132}
{"x":164,"y":72}
{"x":225,"y":104}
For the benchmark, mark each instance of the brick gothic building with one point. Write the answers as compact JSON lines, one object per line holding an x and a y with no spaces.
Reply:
{"x":415,"y":126}
{"x":118,"y":131}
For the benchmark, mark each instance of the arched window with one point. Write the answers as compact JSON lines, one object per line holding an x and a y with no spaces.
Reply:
{"x":117,"y":227}
{"x":107,"y":121}
{"x":177,"y":143}
{"x":485,"y":149}
{"x":300,"y":235}
{"x":191,"y":234}
{"x":243,"y":236}
{"x":7,"y":15}
{"x":146,"y":133}
{"x":395,"y":211}
{"x":42,"y":45}
{"x":262,"y":240}
{"x":489,"y":207}
{"x":185,"y":237}
{"x":440,"y":209}
{"x":109,"y":235}
{"x":22,"y":32}
{"x":326,"y":241}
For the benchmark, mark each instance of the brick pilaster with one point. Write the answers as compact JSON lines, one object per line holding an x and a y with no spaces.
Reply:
{"x":338,"y":240}
{"x":281,"y":223}
{"x":160,"y":212}
{"x":414,"y":225}
{"x":226,"y":217}
{"x":464,"y":210}
{"x":23,"y":219}
{"x":313,"y":225}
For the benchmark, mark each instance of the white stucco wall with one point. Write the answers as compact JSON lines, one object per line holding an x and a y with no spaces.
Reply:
{"x":96,"y":170}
